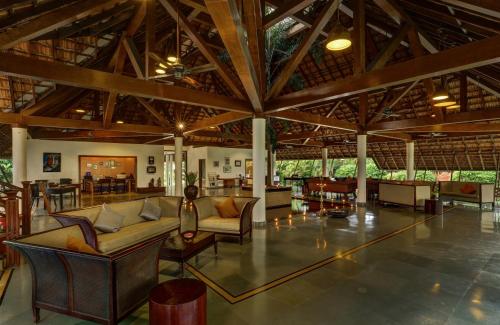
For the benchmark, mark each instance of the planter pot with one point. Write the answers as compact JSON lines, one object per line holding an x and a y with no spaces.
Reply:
{"x":191,"y":192}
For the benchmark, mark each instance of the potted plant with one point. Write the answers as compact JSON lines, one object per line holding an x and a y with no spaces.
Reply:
{"x":191,"y":190}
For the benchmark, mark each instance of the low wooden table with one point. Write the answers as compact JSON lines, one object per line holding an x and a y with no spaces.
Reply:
{"x":178,"y":302}
{"x":179,"y":250}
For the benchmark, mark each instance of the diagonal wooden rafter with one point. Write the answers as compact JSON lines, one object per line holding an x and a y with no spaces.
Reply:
{"x":134,"y":57}
{"x":202,"y":46}
{"x":161,"y":119}
{"x":302,"y":50}
{"x":284,"y":11}
{"x":52,"y":20}
{"x":227,"y":19}
{"x":386,"y":53}
{"x":21,"y":66}
{"x":309,"y":118}
{"x":118,"y":62}
{"x":216,"y":121}
{"x":465,"y":57}
{"x":409,"y":124}
{"x":487,"y":7}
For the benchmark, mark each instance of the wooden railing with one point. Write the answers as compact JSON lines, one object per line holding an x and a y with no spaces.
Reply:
{"x":15,"y":217}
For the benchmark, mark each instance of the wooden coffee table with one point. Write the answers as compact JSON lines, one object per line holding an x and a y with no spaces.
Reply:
{"x":179,"y":250}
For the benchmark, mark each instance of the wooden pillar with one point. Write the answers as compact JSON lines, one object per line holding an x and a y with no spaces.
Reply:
{"x":12,"y":220}
{"x":26,"y":208}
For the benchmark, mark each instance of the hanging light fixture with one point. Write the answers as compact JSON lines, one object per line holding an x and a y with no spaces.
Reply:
{"x":339,"y":38}
{"x":160,"y":70}
{"x":445,"y":103}
{"x":440,"y":94}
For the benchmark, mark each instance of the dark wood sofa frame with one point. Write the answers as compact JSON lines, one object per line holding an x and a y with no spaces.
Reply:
{"x":245,"y":218}
{"x":100,"y":288}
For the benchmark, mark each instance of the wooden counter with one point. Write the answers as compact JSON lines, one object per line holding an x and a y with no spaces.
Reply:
{"x":276,"y":197}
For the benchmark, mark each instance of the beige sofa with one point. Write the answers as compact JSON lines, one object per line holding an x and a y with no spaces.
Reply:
{"x":405,"y":193}
{"x":484,"y":193}
{"x":135,"y":229}
{"x":208,"y":219}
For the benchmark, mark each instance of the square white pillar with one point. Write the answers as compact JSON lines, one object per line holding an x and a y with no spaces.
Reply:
{"x":361,"y":177}
{"x":324,"y":162}
{"x":178,"y":166}
{"x":410,"y":161}
{"x":19,"y":152}
{"x":259,"y":168}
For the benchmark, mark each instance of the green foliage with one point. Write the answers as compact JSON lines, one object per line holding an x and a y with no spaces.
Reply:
{"x":191,"y":178}
{"x":317,"y":52}
{"x":296,"y":82}
{"x":475,"y":176}
{"x":6,"y":170}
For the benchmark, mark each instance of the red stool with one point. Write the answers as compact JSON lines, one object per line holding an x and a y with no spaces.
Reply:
{"x":178,"y":302}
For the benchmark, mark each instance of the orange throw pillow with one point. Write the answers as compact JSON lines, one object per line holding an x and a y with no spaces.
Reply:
{"x":227,"y":208}
{"x":79,"y":245}
{"x":468,"y":189}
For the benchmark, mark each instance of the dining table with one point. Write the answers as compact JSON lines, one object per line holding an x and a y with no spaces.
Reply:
{"x":60,"y":190}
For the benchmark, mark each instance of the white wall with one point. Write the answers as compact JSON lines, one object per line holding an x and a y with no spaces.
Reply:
{"x":70,"y":150}
{"x":211,"y":154}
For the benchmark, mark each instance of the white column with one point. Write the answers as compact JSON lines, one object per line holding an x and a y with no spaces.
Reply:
{"x":324,"y":161}
{"x":361,"y":200}
{"x":178,"y":166}
{"x":259,"y":168}
{"x":410,"y":161}
{"x":19,"y":143}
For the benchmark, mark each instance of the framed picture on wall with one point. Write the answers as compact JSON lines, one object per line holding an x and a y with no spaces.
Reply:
{"x":151,"y":169}
{"x":226,"y":168}
{"x":216,"y":163}
{"x":237,"y":163}
{"x":51,"y":162}
{"x":227,"y":161}
{"x":151,"y":160}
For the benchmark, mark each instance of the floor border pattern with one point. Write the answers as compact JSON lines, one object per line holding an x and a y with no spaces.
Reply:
{"x":277,"y":282}
{"x":5,"y":277}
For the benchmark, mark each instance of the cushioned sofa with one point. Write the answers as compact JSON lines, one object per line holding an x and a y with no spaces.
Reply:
{"x":479,"y":193}
{"x":135,"y":229}
{"x":103,"y":288}
{"x":208,"y":219}
{"x":109,"y":282}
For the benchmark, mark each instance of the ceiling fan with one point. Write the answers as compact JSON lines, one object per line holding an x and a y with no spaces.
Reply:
{"x":433,"y":135}
{"x":388,"y":112}
{"x":172,"y":66}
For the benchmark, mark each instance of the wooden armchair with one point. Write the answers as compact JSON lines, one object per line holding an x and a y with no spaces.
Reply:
{"x":208,"y":219}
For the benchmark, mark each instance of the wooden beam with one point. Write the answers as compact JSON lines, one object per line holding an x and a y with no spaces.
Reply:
{"x":309,"y":118}
{"x":467,"y":56}
{"x":47,"y":135}
{"x":312,"y":134}
{"x":459,"y":128}
{"x":386,"y":53}
{"x":135,"y":58}
{"x":285,"y":11}
{"x":52,"y":20}
{"x":476,"y":116}
{"x":160,"y":118}
{"x":150,"y":32}
{"x":253,"y":12}
{"x":226,"y":17}
{"x":359,"y":37}
{"x":216,"y":121}
{"x":21,"y":66}
{"x":221,"y":135}
{"x":59,"y":96}
{"x":486,"y":7}
{"x":394,"y":135}
{"x":202,"y":46}
{"x":294,"y":61}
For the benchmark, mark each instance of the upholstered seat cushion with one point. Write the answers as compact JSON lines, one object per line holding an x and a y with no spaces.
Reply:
{"x":134,"y":234}
{"x":218,"y":224}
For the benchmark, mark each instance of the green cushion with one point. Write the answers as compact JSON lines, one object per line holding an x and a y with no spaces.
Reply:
{"x":108,"y":220}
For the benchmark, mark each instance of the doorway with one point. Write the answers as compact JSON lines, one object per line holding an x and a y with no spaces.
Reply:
{"x":201,"y":172}
{"x":169,"y":165}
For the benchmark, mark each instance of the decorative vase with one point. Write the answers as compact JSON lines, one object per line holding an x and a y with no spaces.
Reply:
{"x":191,"y":192}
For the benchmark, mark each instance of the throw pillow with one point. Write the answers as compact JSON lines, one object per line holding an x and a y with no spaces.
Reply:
{"x":227,"y":208}
{"x":468,"y":189}
{"x":108,"y":220}
{"x":79,"y":245}
{"x":150,"y":211}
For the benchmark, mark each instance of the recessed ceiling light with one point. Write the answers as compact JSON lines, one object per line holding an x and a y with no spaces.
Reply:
{"x":440,"y":95}
{"x":445,"y":103}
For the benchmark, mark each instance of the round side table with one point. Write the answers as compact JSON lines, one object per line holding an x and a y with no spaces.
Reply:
{"x":178,"y":302}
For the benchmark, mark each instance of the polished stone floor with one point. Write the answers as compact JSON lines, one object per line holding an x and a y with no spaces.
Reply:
{"x":378,"y":266}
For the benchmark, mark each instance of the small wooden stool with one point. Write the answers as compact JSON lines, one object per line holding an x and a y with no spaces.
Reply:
{"x":433,"y":206}
{"x":179,"y":301}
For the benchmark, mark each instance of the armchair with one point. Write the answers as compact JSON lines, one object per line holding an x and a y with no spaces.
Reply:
{"x":208,"y":219}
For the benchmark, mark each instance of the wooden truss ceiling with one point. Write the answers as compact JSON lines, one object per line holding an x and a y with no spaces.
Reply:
{"x":72,"y":69}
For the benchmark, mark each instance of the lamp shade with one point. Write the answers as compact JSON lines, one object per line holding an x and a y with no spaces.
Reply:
{"x":441,"y":94}
{"x":339,"y":38}
{"x":445,"y":103}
